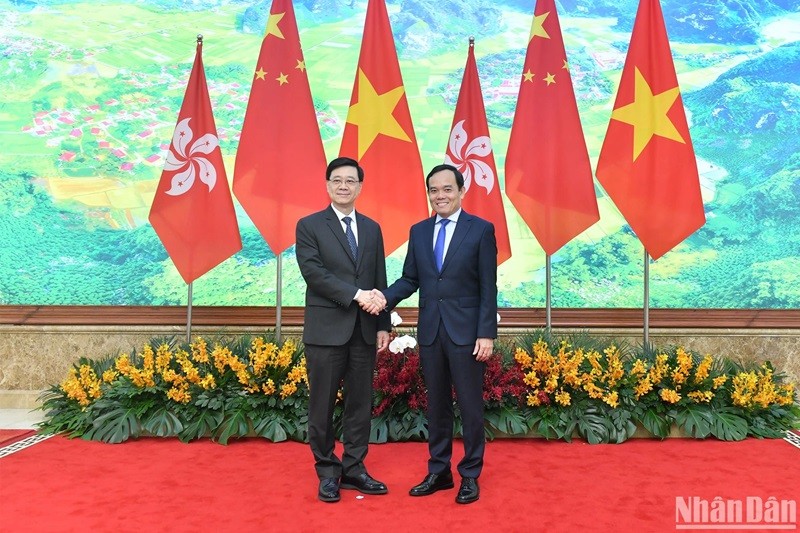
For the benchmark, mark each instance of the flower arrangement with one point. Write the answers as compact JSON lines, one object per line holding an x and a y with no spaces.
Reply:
{"x":240,"y":387}
{"x":557,"y":387}
{"x":603,"y":394}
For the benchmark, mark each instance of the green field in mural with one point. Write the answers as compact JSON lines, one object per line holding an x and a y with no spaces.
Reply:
{"x":91,"y":90}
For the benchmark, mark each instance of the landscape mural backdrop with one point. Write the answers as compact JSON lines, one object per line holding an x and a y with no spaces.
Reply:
{"x":91,"y":90}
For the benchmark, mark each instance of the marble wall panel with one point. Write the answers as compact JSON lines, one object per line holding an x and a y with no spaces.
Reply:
{"x":32,"y":358}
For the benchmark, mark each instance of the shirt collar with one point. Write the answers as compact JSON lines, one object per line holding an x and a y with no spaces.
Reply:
{"x":341,"y":215}
{"x":452,"y":218}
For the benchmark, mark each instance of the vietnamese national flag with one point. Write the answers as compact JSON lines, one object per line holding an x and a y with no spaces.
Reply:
{"x":192,"y":210}
{"x":469,"y":149}
{"x":548,"y":173}
{"x":279,"y":175}
{"x":379,"y":134}
{"x":647,"y":164}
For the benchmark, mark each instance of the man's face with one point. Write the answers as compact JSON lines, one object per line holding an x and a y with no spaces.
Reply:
{"x":444,"y":194}
{"x":344,"y":188}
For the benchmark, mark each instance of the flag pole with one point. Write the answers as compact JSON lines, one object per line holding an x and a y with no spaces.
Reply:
{"x":548,"y":287}
{"x":646,"y":299}
{"x":278,"y":294}
{"x":189,"y":316}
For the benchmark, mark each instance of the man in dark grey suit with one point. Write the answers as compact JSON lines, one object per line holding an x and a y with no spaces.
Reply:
{"x":341,"y":257}
{"x":452,"y":260}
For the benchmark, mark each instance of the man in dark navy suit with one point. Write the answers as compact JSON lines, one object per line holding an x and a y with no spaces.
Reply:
{"x":341,"y":257}
{"x":452,"y":260}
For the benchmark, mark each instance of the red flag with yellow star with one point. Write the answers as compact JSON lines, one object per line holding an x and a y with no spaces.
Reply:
{"x":647,"y":164}
{"x":279,"y":173}
{"x":548,"y":173}
{"x":469,"y":149}
{"x":380,"y":135}
{"x":192,"y":210}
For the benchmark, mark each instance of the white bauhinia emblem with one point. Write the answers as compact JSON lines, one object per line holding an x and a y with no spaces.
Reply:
{"x":187,"y":159}
{"x":466,"y":154}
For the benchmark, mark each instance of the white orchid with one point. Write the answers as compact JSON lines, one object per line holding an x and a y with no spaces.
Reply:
{"x":186,"y":158}
{"x":465,"y":154}
{"x":402,"y":343}
{"x":396,"y":320}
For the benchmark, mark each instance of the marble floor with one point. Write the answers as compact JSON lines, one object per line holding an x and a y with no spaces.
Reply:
{"x":19,"y":418}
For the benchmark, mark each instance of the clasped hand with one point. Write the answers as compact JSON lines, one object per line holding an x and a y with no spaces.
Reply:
{"x":372,"y":302}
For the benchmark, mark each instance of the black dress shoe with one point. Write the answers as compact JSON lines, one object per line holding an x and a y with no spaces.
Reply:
{"x":432,"y":483}
{"x":364,"y":483}
{"x":329,"y":490}
{"x":468,"y":492}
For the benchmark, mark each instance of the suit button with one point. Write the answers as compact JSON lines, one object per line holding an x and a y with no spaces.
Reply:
{"x":441,"y":299}
{"x":440,"y":279}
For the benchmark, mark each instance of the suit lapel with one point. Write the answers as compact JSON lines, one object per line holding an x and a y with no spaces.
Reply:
{"x":336,"y":227}
{"x":364,"y":237}
{"x":427,"y":237}
{"x":462,"y":228}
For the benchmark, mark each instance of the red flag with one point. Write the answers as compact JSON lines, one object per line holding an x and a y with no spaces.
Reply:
{"x":548,"y":173}
{"x":280,"y":164}
{"x":379,"y":134}
{"x":647,"y":162}
{"x":470,"y":151}
{"x":192,"y":211}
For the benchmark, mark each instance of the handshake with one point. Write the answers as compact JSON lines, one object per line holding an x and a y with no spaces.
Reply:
{"x":372,"y":302}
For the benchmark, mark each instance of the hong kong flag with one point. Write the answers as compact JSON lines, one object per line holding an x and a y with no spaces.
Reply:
{"x":192,"y":210}
{"x":469,"y":149}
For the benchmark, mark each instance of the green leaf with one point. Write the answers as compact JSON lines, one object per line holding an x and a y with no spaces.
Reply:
{"x":270,"y":428}
{"x":695,"y":420}
{"x":115,"y":426}
{"x":728,"y":426}
{"x":204,"y":422}
{"x":162,"y":423}
{"x":593,"y":428}
{"x":379,"y":431}
{"x":234,"y":425}
{"x":656,"y":423}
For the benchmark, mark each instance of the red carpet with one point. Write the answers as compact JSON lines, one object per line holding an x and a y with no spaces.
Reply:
{"x":253,"y":485}
{"x":7,"y":436}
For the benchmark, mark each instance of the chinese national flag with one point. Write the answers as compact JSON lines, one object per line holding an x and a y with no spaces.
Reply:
{"x":279,"y":175}
{"x":548,"y":173}
{"x":192,"y":210}
{"x":647,"y":162}
{"x":379,"y":134}
{"x":470,"y":151}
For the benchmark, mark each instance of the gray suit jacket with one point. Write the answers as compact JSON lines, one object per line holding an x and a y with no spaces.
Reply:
{"x":332,"y":278}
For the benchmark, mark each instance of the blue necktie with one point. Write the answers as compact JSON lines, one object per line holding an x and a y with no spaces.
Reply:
{"x":351,"y":238}
{"x":438,"y":247}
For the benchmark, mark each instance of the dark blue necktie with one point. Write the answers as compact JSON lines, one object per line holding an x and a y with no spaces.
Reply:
{"x":351,"y":238}
{"x":438,"y":247}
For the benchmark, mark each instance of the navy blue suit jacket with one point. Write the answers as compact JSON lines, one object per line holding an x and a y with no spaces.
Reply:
{"x":464,"y":295}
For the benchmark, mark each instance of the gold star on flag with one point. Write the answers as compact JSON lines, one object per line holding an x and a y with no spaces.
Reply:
{"x":260,"y":73}
{"x":537,"y":28}
{"x":283,"y":78}
{"x":301,"y":65}
{"x":648,"y":114}
{"x":528,"y":75}
{"x":566,"y":65}
{"x":373,"y":114}
{"x":550,"y":78}
{"x":272,"y":25}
